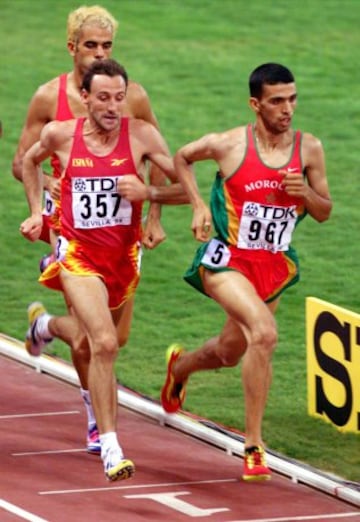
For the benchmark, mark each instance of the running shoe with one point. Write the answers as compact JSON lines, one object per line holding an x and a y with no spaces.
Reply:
{"x":45,"y":261}
{"x":118,"y":469}
{"x":93,"y":445}
{"x":255,"y":467}
{"x":34,"y":342}
{"x":173,"y":393}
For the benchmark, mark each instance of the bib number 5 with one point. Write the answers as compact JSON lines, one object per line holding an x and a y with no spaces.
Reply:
{"x":217,"y":254}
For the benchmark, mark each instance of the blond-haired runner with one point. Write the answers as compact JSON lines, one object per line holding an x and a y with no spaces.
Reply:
{"x":97,"y":252}
{"x":90,"y":34}
{"x":269,"y":177}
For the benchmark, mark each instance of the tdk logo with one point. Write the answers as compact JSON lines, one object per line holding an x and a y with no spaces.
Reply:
{"x":270,"y":212}
{"x":95,"y":184}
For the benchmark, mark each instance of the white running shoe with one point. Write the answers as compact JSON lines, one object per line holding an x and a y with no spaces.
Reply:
{"x":116,"y":467}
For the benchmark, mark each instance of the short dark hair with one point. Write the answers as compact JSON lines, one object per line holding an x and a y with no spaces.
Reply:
{"x":106,"y":67}
{"x":268,"y":74}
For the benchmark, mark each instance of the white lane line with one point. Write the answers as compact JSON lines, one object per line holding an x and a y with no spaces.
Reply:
{"x":20,"y":512}
{"x":140,"y":486}
{"x":48,"y":452}
{"x":302,"y":518}
{"x":45,"y":414}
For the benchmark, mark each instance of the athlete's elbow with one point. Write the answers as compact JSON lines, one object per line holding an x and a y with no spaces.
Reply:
{"x":17,"y":169}
{"x":324,"y":215}
{"x":181,"y":160}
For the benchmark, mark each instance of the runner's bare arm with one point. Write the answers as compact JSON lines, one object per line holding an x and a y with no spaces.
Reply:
{"x":141,"y":103}
{"x":149,"y":144}
{"x":37,"y":117}
{"x":153,"y":232}
{"x":32,"y":175}
{"x":205,"y":148}
{"x":202,"y":149}
{"x":315,"y":191}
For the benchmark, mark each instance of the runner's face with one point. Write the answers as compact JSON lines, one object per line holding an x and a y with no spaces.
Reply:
{"x":276,"y":106}
{"x":95,"y":43}
{"x":105,"y":101}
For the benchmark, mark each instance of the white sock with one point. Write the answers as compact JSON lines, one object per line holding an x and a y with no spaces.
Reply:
{"x":42,"y":326}
{"x":110,"y":444}
{"x":88,"y":407}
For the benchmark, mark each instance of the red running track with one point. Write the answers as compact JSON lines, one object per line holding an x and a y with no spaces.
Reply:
{"x":46,"y":475}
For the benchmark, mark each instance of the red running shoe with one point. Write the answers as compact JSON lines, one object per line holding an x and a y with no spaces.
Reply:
{"x":173,"y":393}
{"x":255,"y":467}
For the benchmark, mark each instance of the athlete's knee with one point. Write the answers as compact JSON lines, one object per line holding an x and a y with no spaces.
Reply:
{"x":105,"y":346}
{"x":264,"y":337}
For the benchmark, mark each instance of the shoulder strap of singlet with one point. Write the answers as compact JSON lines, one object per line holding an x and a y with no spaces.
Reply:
{"x":62,"y":82}
{"x":63,"y":111}
{"x":124,"y":139}
{"x":79,"y":127}
{"x":78,"y":140}
{"x":297,"y":147}
{"x":297,"y":140}
{"x":124,"y":126}
{"x":250,"y":137}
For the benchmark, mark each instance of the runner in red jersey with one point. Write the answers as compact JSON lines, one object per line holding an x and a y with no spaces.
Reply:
{"x":269,"y":176}
{"x":254,"y":218}
{"x":98,"y":228}
{"x":100,"y":232}
{"x":91,"y":30}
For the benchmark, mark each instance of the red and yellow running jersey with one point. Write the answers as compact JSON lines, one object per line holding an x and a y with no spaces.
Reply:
{"x":92,"y":211}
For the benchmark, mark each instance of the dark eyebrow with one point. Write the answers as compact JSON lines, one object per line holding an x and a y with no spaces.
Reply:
{"x":109,"y":42}
{"x":280,"y":98}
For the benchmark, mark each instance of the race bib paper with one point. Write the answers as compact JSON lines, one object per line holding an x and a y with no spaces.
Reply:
{"x":96,"y":203}
{"x":266,"y":227}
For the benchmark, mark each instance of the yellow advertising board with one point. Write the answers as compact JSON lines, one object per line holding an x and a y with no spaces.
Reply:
{"x":333,"y":364}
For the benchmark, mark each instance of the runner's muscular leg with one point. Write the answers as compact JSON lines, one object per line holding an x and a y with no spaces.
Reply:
{"x":89,"y":299}
{"x":225,"y":349}
{"x":230,"y":346}
{"x":68,"y":329}
{"x":246,"y":376}
{"x":122,"y":317}
{"x":239,"y":299}
{"x":231,"y":341}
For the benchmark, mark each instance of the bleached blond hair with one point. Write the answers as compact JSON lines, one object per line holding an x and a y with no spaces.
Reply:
{"x":94,"y":14}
